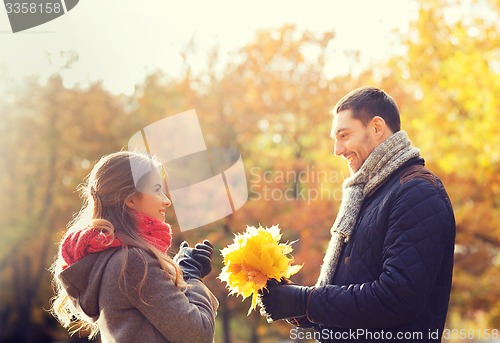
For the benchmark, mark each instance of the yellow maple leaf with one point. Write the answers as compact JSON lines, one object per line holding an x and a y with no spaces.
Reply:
{"x":253,"y":258}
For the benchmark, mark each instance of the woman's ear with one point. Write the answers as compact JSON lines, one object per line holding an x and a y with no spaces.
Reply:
{"x":130,"y":202}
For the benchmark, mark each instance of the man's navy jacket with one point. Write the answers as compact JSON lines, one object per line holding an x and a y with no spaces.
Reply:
{"x":393,"y":281}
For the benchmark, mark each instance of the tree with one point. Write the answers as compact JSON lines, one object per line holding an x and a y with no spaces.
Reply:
{"x":451,"y":71}
{"x":275,"y":97}
{"x":51,"y":135}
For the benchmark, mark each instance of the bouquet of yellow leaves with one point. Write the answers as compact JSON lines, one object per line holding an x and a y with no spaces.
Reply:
{"x":255,"y":257}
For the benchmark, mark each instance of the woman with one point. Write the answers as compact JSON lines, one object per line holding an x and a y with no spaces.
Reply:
{"x":113,"y":275}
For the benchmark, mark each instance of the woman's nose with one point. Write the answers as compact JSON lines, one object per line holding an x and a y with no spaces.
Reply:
{"x":166,"y":200}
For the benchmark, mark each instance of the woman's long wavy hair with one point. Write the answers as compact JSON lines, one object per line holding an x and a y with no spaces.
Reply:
{"x":104,"y":192}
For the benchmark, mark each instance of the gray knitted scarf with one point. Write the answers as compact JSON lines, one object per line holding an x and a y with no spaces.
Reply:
{"x":382,"y":162}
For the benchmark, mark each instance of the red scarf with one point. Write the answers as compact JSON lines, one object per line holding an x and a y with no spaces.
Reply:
{"x":94,"y":239}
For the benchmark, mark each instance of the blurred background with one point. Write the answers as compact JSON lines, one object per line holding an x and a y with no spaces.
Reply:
{"x":262,"y":77}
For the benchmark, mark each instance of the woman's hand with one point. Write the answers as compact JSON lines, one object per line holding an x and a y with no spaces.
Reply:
{"x":196,"y":263}
{"x":202,"y":253}
{"x":191,"y":268}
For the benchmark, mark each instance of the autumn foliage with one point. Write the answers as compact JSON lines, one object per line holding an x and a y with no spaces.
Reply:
{"x":254,"y":258}
{"x":271,"y":100}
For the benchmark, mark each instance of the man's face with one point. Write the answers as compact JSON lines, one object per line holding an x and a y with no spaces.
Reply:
{"x":353,"y":140}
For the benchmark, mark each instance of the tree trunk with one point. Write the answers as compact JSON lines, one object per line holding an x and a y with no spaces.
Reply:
{"x":22,"y":327}
{"x":226,"y":320}
{"x":255,"y":324}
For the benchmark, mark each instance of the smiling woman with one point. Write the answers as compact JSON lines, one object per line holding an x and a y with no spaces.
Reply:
{"x":114,"y":257}
{"x":151,"y":200}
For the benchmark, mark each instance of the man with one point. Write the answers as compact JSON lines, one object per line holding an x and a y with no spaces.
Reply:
{"x":386,"y":275}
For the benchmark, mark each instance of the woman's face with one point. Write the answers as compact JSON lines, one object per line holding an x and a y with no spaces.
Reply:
{"x":151,"y":200}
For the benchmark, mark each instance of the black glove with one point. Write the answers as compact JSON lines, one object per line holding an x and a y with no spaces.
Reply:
{"x":285,"y":301}
{"x":191,"y":268}
{"x":301,"y":322}
{"x":202,"y":253}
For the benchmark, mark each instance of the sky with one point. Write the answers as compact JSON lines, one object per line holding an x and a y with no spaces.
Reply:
{"x":119,"y":41}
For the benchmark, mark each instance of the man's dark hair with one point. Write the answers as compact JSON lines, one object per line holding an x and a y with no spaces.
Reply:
{"x":368,"y":102}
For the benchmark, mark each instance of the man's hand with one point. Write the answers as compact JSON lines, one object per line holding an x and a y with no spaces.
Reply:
{"x":300,"y":322}
{"x":285,"y":301}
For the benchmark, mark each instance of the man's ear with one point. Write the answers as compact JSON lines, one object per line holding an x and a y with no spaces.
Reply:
{"x":380,"y":128}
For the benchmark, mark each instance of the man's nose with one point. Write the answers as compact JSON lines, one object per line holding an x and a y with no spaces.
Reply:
{"x":339,"y":148}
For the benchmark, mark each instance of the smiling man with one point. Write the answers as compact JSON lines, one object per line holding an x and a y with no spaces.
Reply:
{"x":386,"y":275}
{"x":362,"y":120}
